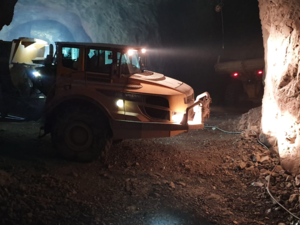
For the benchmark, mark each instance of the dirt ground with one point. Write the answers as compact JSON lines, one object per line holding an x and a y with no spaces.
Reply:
{"x":200,"y":177}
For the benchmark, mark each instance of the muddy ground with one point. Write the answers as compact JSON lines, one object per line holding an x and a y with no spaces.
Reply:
{"x":200,"y":177}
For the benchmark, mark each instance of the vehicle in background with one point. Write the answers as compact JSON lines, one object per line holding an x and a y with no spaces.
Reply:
{"x":243,"y":80}
{"x":89,"y":94}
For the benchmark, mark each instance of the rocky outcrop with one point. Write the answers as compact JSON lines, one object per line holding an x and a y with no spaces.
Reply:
{"x":280,"y":113}
{"x":6,"y":12}
{"x":251,"y":120}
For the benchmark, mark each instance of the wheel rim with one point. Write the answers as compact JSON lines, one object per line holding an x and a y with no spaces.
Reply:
{"x":78,"y":136}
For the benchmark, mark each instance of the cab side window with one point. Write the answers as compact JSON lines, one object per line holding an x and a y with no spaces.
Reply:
{"x":70,"y":57}
{"x":99,"y":61}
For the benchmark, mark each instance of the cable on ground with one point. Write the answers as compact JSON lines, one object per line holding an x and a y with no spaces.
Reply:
{"x":268,"y":185}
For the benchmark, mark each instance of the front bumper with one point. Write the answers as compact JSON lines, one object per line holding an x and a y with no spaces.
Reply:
{"x":201,"y":112}
{"x":191,"y":121}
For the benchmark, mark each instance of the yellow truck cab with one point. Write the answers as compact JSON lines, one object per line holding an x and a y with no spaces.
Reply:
{"x":100,"y":92}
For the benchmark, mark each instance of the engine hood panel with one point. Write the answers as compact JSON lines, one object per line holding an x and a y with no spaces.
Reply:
{"x":157,"y":78}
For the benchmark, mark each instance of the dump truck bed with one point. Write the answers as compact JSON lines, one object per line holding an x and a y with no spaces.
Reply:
{"x":240,"y":66}
{"x":17,"y":100}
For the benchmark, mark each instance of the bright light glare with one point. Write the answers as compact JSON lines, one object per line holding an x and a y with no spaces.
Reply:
{"x":177,"y":118}
{"x":36,"y":74}
{"x":144,"y":50}
{"x":198,"y":116}
{"x":131,"y":52}
{"x":120,"y":103}
{"x":260,"y":72}
{"x":235,"y":74}
{"x":30,"y":47}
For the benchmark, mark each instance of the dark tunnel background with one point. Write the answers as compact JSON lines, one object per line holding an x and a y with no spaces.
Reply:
{"x":185,"y":42}
{"x":192,"y":40}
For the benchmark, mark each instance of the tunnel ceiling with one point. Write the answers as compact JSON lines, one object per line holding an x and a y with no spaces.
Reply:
{"x":127,"y":22}
{"x":166,"y":22}
{"x":185,"y":36}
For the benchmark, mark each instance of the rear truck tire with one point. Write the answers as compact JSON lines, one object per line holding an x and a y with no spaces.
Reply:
{"x":233,"y":93}
{"x":81,"y":134}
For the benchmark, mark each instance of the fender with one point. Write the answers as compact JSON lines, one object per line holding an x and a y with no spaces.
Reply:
{"x":53,"y":106}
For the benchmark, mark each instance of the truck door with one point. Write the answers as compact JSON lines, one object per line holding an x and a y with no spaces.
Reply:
{"x":71,"y":64}
{"x":98,"y":66}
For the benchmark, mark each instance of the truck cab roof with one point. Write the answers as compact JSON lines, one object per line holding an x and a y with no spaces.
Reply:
{"x":103,"y":45}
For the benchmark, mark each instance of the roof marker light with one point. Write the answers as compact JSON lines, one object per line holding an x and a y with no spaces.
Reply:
{"x":131,"y":52}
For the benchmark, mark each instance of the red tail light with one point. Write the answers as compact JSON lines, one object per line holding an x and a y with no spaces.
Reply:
{"x":236,"y":74}
{"x":260,"y":72}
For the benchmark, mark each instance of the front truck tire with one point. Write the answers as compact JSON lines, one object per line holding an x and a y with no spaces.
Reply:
{"x":81,"y":134}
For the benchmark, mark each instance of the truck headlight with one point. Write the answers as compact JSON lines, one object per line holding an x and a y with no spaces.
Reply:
{"x":177,"y":117}
{"x":120,"y":103}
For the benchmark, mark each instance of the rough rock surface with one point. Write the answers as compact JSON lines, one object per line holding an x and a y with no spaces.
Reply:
{"x":280,"y":113}
{"x":251,"y":120}
{"x":202,"y":177}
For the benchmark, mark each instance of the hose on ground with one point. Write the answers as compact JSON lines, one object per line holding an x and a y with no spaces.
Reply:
{"x":228,"y":132}
{"x":236,"y":132}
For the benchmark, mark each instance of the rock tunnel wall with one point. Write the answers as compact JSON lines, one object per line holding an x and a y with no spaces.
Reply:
{"x":186,"y":36}
{"x":127,"y":22}
{"x":281,"y":102}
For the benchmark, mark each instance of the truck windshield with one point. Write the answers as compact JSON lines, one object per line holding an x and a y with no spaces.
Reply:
{"x":130,"y":63}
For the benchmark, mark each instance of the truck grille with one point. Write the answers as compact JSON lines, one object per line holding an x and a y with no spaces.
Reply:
{"x":155,"y":113}
{"x":157,"y":100}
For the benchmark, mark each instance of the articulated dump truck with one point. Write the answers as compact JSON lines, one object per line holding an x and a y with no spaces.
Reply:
{"x":90,"y":94}
{"x":243,"y":80}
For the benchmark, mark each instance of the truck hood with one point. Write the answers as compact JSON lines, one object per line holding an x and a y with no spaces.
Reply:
{"x":157,"y":78}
